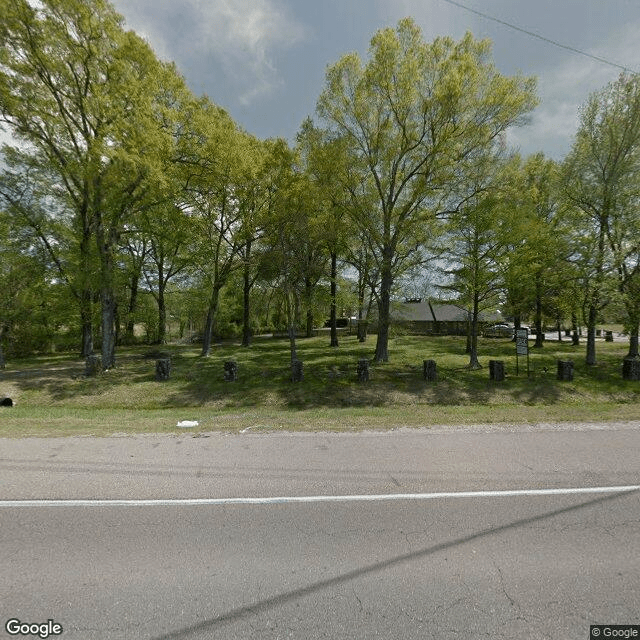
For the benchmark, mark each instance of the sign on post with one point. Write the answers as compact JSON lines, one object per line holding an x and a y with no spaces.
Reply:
{"x":522,"y":347}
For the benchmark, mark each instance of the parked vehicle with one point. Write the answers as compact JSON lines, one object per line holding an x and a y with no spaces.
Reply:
{"x":498,"y":331}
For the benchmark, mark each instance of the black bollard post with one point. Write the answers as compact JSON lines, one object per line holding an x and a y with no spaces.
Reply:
{"x":565,"y":370}
{"x":363,"y":370}
{"x":429,"y":370}
{"x":230,"y":371}
{"x":163,"y":369}
{"x":496,"y":370}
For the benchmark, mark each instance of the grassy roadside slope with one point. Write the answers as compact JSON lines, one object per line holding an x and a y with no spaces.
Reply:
{"x":53,"y":397}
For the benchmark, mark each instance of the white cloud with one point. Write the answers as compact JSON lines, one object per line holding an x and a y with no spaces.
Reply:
{"x":565,"y":88}
{"x":551,"y":131}
{"x":243,"y":34}
{"x":238,"y":37}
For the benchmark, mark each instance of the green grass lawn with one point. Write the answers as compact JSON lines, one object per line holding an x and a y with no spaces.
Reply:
{"x":53,"y":397}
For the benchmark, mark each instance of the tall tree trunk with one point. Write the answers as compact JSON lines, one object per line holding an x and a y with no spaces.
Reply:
{"x":594,"y":295}
{"x":384,"y":315}
{"x":575,"y":337}
{"x":539,"y":343}
{"x":246,"y":297}
{"x":209,"y":324}
{"x":2,"y":330}
{"x":134,"y":284}
{"x":333,"y":312}
{"x":107,"y":296}
{"x":117,"y":324}
{"x":86,"y":294}
{"x":162,"y":316}
{"x":131,"y":308}
{"x":86,"y":321}
{"x":633,"y":340}
{"x":633,"y":346}
{"x":517,"y":324}
{"x":292,"y":342}
{"x":292,"y":314}
{"x":108,"y":308}
{"x":308,"y":294}
{"x":632,"y":326}
{"x":162,"y":306}
{"x":246,"y":311}
{"x":473,"y":355}
{"x":363,"y":275}
{"x":591,"y":335}
{"x":309,"y":327}
{"x":207,"y":337}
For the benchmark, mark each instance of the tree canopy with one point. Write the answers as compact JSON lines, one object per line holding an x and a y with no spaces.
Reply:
{"x":125,"y":200}
{"x":600,"y":177}
{"x":415,"y":119}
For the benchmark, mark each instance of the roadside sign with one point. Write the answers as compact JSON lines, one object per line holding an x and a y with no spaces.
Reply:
{"x":522,"y":342}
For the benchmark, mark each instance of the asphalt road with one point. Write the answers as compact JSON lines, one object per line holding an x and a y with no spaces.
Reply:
{"x":482,"y":566}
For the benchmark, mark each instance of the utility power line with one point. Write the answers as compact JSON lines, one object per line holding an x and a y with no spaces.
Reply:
{"x":538,"y":36}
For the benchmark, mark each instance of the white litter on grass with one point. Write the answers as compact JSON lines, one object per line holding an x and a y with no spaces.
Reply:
{"x":187,"y":424}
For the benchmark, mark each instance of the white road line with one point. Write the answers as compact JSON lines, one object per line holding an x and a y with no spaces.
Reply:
{"x":309,"y":499}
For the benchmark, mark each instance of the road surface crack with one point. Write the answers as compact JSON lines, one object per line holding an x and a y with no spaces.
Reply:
{"x":514,"y":603}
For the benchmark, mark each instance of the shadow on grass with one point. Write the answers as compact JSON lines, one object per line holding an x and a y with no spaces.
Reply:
{"x":538,"y":391}
{"x":330,"y":379}
{"x":63,"y":378}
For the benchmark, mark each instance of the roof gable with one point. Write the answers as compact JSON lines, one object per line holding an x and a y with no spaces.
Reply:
{"x":423,"y":311}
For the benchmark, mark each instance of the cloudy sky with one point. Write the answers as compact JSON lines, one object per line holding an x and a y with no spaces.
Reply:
{"x":264,"y":60}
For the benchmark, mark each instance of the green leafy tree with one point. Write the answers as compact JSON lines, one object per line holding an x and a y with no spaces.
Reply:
{"x":34,"y":306}
{"x":133,"y":254}
{"x":475,"y":248}
{"x":600,"y":178}
{"x":293,"y":237}
{"x":413,"y":117}
{"x":536,"y":267}
{"x":33,"y":199}
{"x":211,"y":159}
{"x":321,"y":156}
{"x":254,"y":199}
{"x":168,"y":234}
{"x":87,"y":100}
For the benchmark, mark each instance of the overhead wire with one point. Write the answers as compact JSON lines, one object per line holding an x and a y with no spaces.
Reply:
{"x":538,"y":36}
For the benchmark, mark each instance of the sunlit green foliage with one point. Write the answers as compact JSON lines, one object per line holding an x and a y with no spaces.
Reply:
{"x":134,"y":210}
{"x":416,"y":117}
{"x":600,"y":177}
